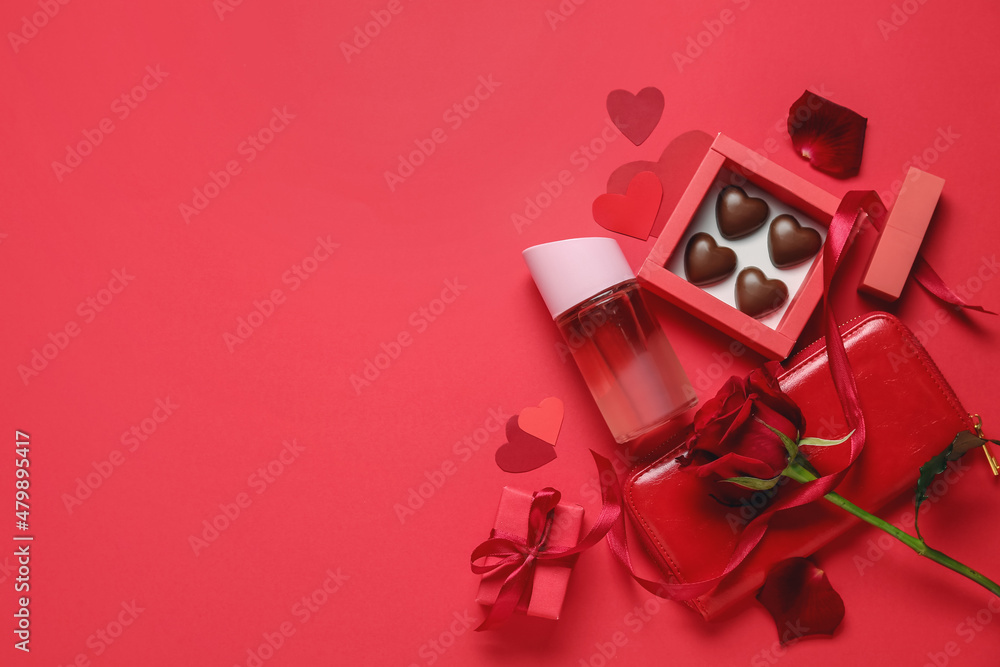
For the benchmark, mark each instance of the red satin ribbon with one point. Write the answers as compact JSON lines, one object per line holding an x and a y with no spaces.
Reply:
{"x":520,"y":554}
{"x":922,"y":272}
{"x":931,"y":281}
{"x":842,"y":230}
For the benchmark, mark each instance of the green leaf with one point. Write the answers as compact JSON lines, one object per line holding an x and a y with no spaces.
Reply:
{"x":790,"y":446}
{"x":962,"y":443}
{"x":800,"y":470}
{"x":819,"y":442}
{"x":754,"y":483}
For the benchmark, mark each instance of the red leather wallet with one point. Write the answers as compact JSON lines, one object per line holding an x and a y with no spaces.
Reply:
{"x":910,"y":412}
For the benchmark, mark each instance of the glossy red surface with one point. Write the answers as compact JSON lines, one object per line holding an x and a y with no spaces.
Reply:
{"x":911,"y":414}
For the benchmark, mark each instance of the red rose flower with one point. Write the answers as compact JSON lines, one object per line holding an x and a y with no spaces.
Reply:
{"x":728,"y":439}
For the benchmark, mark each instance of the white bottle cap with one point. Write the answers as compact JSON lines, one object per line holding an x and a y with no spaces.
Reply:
{"x":571,"y":271}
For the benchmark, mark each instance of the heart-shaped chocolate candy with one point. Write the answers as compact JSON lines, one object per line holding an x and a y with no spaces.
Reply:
{"x":705,"y":262}
{"x":789,"y":243}
{"x":758,"y":296}
{"x":738,"y":214}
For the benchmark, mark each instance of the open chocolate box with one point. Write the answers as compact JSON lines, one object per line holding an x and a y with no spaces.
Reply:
{"x":664,"y":273}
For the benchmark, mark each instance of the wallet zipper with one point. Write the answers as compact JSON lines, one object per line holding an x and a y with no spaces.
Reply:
{"x":808,"y":349}
{"x":811,"y":347}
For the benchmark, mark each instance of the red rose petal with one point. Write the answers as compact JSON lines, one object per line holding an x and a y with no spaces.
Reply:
{"x":716,"y":405}
{"x":767,"y":384}
{"x":759,"y":442}
{"x":801,"y":600}
{"x":830,"y":136}
{"x":732,"y":465}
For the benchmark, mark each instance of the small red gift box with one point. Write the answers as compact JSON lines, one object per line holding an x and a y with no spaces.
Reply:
{"x":550,"y":578}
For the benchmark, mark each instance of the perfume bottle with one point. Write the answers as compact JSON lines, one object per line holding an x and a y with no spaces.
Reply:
{"x":621,"y":351}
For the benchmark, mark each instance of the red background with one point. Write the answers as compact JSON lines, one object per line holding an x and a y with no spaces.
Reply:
{"x":364,"y":451}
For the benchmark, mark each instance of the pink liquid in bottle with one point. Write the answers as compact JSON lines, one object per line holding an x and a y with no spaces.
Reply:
{"x":622,"y":353}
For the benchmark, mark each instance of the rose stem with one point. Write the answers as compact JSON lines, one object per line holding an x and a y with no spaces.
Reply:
{"x":801,"y":474}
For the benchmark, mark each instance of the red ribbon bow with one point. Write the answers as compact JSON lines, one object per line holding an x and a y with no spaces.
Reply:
{"x":520,"y":554}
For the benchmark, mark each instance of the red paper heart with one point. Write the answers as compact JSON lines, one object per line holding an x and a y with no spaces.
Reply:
{"x":523,"y":452}
{"x":635,"y":115}
{"x":634,"y":212}
{"x":676,"y":166}
{"x":544,"y":421}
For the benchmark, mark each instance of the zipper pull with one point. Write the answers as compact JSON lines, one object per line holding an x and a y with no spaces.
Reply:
{"x":977,"y":423}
